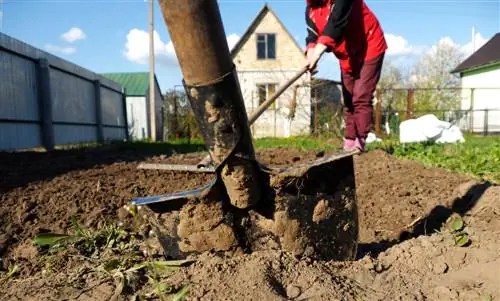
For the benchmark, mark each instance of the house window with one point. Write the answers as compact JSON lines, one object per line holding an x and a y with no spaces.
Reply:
{"x":265,"y":91}
{"x":266,"y":46}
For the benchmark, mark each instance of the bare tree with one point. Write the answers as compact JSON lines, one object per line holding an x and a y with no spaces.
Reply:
{"x":432,"y":74}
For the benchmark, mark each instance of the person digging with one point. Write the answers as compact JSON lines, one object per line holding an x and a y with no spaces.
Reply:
{"x":352,"y":32}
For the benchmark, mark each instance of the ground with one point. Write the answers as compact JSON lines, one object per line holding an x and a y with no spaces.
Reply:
{"x":406,"y":251}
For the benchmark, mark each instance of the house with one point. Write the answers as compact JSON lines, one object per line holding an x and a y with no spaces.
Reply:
{"x":480,"y":82}
{"x":136,"y":86}
{"x":266,"y":56}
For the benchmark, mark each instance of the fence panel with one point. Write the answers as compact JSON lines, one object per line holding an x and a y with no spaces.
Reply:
{"x":47,"y":101}
{"x":474,"y":110}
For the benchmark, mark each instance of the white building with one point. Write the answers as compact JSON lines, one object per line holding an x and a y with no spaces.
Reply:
{"x":480,"y":82}
{"x":266,"y":56}
{"x":136,"y":86}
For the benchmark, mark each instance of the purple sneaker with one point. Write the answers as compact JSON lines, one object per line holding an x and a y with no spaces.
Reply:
{"x":349,"y":144}
{"x":360,"y":144}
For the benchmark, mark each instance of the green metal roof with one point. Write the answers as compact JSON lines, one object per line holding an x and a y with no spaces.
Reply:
{"x":135,"y":83}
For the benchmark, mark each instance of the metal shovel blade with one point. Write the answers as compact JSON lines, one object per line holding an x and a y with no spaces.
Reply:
{"x":174,"y":201}
{"x":308,"y":173}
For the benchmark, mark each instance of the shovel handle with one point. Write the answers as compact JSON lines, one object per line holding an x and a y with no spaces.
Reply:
{"x":256,"y":114}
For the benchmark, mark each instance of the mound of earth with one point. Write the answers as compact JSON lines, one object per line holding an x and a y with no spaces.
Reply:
{"x":403,"y":253}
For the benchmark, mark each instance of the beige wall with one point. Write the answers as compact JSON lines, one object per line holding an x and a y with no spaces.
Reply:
{"x":253,"y":71}
{"x":288,"y":55}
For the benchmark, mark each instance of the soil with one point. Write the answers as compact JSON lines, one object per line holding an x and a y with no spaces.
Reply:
{"x":404,"y":252}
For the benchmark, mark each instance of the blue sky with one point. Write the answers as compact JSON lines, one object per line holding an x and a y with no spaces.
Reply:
{"x":95,"y":33}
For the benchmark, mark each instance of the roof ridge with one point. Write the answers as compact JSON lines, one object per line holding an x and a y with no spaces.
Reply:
{"x":265,"y":8}
{"x":484,"y":56}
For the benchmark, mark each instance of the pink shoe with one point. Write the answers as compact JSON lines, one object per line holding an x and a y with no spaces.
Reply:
{"x":349,"y":144}
{"x":360,"y":144}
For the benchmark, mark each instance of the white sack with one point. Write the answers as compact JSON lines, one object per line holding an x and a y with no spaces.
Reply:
{"x":372,"y":138}
{"x":429,"y":128}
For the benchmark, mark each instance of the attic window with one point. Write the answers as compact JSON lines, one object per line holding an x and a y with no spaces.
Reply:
{"x":266,"y":46}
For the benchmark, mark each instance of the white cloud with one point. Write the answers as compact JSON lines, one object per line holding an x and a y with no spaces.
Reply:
{"x":232,"y":39}
{"x":137,"y":48}
{"x":73,"y":34}
{"x":60,"y":49}
{"x":398,"y":45}
{"x":467,"y":49}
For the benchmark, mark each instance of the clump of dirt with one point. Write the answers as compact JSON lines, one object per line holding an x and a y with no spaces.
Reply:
{"x":401,"y":255}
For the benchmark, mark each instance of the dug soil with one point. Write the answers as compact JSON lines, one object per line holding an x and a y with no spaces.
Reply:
{"x":404,"y":252}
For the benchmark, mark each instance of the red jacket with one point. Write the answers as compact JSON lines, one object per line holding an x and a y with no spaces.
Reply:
{"x":348,"y":28}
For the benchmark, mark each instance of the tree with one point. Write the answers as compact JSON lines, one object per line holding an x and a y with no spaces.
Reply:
{"x":432,"y":75}
{"x":391,"y":86}
{"x":180,"y":118}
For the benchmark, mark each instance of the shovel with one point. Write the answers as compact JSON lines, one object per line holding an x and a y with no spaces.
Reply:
{"x":205,"y":165}
{"x":307,"y":208}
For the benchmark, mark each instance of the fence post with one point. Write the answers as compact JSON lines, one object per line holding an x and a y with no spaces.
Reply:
{"x":98,"y":111}
{"x":125,"y":118}
{"x":315,"y":130}
{"x":409,"y":104}
{"x":485,"y":125}
{"x":472,"y":109}
{"x":378,"y":113}
{"x":45,"y":104}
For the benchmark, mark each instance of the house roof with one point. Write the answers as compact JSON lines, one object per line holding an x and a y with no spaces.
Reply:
{"x":488,"y":54}
{"x":135,"y":83}
{"x":264,"y":10}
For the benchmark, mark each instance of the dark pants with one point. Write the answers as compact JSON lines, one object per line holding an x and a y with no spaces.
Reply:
{"x":358,"y":89}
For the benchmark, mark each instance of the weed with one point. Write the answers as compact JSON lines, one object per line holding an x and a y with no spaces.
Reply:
{"x":455,"y":226}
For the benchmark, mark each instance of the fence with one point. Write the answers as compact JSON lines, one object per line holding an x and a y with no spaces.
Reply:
{"x":474,"y":110}
{"x":46,"y":101}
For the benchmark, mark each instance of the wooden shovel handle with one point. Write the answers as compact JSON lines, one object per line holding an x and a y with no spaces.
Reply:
{"x":256,"y":114}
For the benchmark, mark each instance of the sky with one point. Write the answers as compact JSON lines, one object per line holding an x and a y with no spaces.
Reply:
{"x":112,"y":35}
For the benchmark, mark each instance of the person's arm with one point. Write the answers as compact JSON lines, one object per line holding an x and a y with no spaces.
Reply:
{"x":337,"y":22}
{"x":312,"y":31}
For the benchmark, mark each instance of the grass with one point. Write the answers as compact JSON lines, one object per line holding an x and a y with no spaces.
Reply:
{"x":478,"y":156}
{"x":112,"y":252}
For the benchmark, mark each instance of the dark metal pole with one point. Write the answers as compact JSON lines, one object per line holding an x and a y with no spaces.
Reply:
{"x":212,"y":87}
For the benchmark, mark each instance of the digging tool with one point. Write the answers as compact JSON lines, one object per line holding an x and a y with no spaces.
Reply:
{"x":306,"y":208}
{"x":205,"y":165}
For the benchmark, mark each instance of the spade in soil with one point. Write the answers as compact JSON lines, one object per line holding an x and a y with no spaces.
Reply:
{"x":309,"y":209}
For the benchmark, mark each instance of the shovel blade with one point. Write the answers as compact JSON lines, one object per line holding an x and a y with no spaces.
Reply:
{"x":174,"y":201}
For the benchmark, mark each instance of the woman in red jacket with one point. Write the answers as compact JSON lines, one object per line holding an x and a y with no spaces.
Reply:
{"x":350,"y":30}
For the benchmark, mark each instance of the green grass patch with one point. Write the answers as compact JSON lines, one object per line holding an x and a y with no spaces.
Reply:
{"x":301,"y":143}
{"x":478,"y":156}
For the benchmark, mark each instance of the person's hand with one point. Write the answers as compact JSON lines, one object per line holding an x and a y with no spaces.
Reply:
{"x":313,"y":56}
{"x":309,"y":55}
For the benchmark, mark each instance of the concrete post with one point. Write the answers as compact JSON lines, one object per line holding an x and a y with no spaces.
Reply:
{"x":125,"y":119}
{"x":45,"y":104}
{"x":98,"y":111}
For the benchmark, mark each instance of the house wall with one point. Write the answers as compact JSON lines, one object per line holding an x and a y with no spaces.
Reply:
{"x":273,"y":122}
{"x":288,"y":56}
{"x":46,"y":101}
{"x":158,"y":113}
{"x":137,"y":117}
{"x":252,"y":71}
{"x":481,"y":91}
